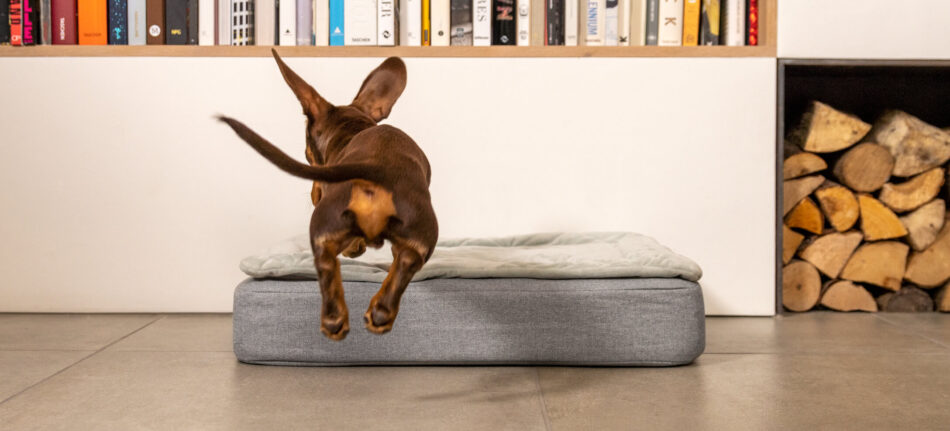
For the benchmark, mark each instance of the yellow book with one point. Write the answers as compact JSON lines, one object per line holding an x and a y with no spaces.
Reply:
{"x":426,"y":24}
{"x":691,"y":23}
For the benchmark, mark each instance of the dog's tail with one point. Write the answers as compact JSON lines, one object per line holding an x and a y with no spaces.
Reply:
{"x":327,"y":174}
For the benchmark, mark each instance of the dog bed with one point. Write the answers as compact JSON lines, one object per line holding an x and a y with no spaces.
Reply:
{"x":644,"y":308}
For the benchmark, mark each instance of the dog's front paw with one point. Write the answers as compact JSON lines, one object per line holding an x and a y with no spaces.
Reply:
{"x":335,"y":328}
{"x":378,"y":320}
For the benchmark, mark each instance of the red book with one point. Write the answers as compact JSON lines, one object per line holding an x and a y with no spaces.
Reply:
{"x":16,"y":23}
{"x":753,"y":22}
{"x":64,"y":22}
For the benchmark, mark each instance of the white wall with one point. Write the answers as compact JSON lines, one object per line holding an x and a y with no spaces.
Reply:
{"x":121,"y":194}
{"x":864,"y":29}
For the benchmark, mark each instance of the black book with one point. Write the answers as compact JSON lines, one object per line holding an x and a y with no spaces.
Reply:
{"x":32,"y":31}
{"x":192,"y":22}
{"x":504,"y":29}
{"x":176,"y":22}
{"x":4,"y":23}
{"x":118,"y":22}
{"x":554,"y":22}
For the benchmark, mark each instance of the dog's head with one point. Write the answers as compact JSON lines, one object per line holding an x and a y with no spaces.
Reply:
{"x":372,"y":103}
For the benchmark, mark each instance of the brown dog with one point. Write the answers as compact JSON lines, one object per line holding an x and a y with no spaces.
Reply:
{"x":371,"y":183}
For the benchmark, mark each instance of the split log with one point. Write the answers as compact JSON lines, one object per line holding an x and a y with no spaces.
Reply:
{"x":931,"y":267}
{"x":825,"y":130}
{"x":839,"y":205}
{"x":801,"y":286}
{"x":913,"y":193}
{"x":793,"y":191}
{"x":943,"y":299}
{"x":790,"y":242}
{"x":865,"y":167}
{"x":924,"y":223}
{"x":829,"y":253}
{"x":806,"y":216}
{"x":908,"y":299}
{"x":843,"y":295}
{"x":915,"y":145}
{"x":883,"y":300}
{"x":877,"y":221}
{"x":802,"y":164}
{"x":879,"y":263}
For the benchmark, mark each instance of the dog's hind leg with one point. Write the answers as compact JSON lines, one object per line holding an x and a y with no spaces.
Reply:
{"x":334,"y":316}
{"x":383,"y":308}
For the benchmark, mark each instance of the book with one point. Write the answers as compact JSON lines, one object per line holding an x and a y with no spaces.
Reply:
{"x":31,"y":21}
{"x":118,"y":22}
{"x":691,"y":23}
{"x":155,"y":21}
{"x":16,"y":23}
{"x":461,"y":22}
{"x":504,"y":28}
{"x":623,"y":23}
{"x":440,"y":17}
{"x":287,"y":22}
{"x":732,"y":22}
{"x":481,"y":20}
{"x":265,"y":22}
{"x":305,"y":22}
{"x":637,"y":22}
{"x":321,"y":22}
{"x":4,"y":23}
{"x":45,"y":33}
{"x":176,"y":22}
{"x":752,"y":23}
{"x":538,"y":9}
{"x":242,"y":22}
{"x":426,"y":24}
{"x":205,"y":22}
{"x":554,"y":22}
{"x":137,"y":28}
{"x":652,"y":23}
{"x":222,"y":22}
{"x":709,"y":23}
{"x":594,"y":22}
{"x":93,"y":29}
{"x":611,"y":23}
{"x":359,"y":20}
{"x":524,"y":22}
{"x":571,"y":22}
{"x":671,"y":23}
{"x":386,"y":23}
{"x":191,"y":17}
{"x":337,"y":29}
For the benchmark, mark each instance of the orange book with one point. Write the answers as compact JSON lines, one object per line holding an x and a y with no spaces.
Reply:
{"x":92,"y":22}
{"x":691,"y":23}
{"x":426,"y":24}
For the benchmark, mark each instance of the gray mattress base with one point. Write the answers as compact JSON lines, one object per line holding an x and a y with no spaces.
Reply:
{"x":598,"y":322}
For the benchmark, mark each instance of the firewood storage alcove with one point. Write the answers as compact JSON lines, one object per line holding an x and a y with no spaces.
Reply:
{"x":863,"y":149}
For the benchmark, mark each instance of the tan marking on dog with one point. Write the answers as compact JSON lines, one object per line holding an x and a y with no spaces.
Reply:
{"x":372,"y":205}
{"x":316,"y":193}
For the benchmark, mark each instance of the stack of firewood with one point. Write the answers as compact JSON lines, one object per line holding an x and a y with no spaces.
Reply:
{"x":865,"y":212}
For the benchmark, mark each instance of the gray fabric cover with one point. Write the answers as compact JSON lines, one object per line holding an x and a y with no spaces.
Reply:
{"x":622,"y":321}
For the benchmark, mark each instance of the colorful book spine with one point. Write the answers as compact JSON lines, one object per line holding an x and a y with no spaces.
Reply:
{"x":611,"y":23}
{"x":31,"y":21}
{"x":595,"y":22}
{"x":337,"y":30}
{"x":265,"y":22}
{"x":46,"y":28}
{"x":481,"y":31}
{"x":242,"y":22}
{"x":191,"y":18}
{"x":504,"y":28}
{"x":137,"y":28}
{"x":4,"y":23}
{"x":304,"y":22}
{"x":691,"y":23}
{"x":287,"y":22}
{"x":16,"y":23}
{"x":753,"y":23}
{"x":386,"y":23}
{"x":652,"y":22}
{"x":118,"y":22}
{"x":524,"y":22}
{"x":440,"y":16}
{"x":176,"y":22}
{"x":709,"y":23}
{"x":93,"y":28}
{"x":155,"y":21}
{"x":321,"y":22}
{"x":205,"y":22}
{"x":572,"y":22}
{"x":461,"y":22}
{"x":554,"y":22}
{"x":426,"y":24}
{"x":733,"y":22}
{"x":359,"y":20}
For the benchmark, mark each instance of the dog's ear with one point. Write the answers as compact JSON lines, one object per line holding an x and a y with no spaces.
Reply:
{"x":313,"y":105}
{"x":381,"y":89}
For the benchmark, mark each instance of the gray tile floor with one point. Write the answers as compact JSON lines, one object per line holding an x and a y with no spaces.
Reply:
{"x":177,"y":372}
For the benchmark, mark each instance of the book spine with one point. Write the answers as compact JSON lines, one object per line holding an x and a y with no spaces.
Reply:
{"x":136,"y":22}
{"x":571,"y":22}
{"x":155,"y":21}
{"x":46,"y":29}
{"x":191,"y":19}
{"x":4,"y":22}
{"x":176,"y":22}
{"x":732,"y":22}
{"x":753,"y":23}
{"x":554,"y":22}
{"x":426,"y":32}
{"x":652,"y":22}
{"x":31,"y":20}
{"x":481,"y":32}
{"x":637,"y":21}
{"x":321,"y":22}
{"x":611,"y":23}
{"x":305,"y":23}
{"x":523,"y":22}
{"x":205,"y":22}
{"x":93,"y":29}
{"x":265,"y":22}
{"x":623,"y":23}
{"x":118,"y":22}
{"x":538,"y":9}
{"x":504,"y":29}
{"x":441,"y":19}
{"x":222,"y":22}
{"x":337,"y":30}
{"x":242,"y":22}
{"x":595,"y":22}
{"x":671,"y":23}
{"x":386,"y":23}
{"x":359,"y":20}
{"x":691,"y":23}
{"x":287,"y":22}
{"x":461,"y":22}
{"x":16,"y":22}
{"x":709,"y":23}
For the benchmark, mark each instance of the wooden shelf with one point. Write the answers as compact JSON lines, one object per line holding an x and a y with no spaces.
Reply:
{"x":373,"y":51}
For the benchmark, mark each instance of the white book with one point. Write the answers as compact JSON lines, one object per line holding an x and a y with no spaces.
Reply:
{"x":623,"y":23}
{"x":637,"y":22}
{"x":137,"y":22}
{"x":242,"y":26}
{"x":611,"y":23}
{"x":287,"y":22}
{"x":386,"y":23}
{"x":359,"y":22}
{"x":413,"y":23}
{"x":304,"y":22}
{"x":265,"y":22}
{"x":733,"y":22}
{"x":571,"y":22}
{"x":481,"y":23}
{"x":524,"y":22}
{"x":440,"y":22}
{"x":671,"y":23}
{"x":594,"y":22}
{"x":205,"y":21}
{"x":224,"y":21}
{"x":321,"y":22}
